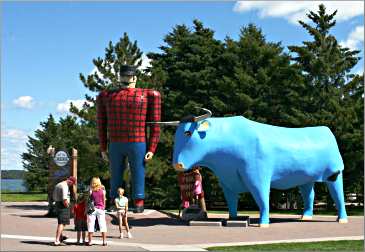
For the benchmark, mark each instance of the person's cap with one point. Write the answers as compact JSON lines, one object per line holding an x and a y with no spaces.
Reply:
{"x":72,"y":179}
{"x":128,"y":70}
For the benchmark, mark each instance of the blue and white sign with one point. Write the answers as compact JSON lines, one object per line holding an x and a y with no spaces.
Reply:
{"x":61,"y":158}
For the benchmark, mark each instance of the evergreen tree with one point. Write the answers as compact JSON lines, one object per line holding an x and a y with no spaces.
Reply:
{"x":264,"y":86}
{"x":326,"y":67}
{"x":245,"y":77}
{"x":333,"y":95}
{"x":67,"y":134}
{"x":36,"y":159}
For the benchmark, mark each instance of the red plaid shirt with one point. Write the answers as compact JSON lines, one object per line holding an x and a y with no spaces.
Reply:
{"x":122,"y":116}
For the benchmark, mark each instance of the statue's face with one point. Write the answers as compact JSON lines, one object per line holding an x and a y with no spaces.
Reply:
{"x":128,"y":79}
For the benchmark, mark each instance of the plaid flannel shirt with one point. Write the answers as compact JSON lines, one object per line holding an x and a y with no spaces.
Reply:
{"x":122,"y":116}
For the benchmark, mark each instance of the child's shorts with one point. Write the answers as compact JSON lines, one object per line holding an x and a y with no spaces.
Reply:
{"x":80,"y":225}
{"x":122,"y":212}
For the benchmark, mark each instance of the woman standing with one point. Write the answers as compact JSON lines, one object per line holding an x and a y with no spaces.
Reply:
{"x":121,"y":203}
{"x":98,"y":197}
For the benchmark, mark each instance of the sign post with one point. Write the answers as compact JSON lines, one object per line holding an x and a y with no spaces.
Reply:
{"x":61,"y":166}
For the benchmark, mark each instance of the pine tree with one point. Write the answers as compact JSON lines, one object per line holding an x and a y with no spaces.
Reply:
{"x":65,"y":134}
{"x":326,"y":67}
{"x":264,"y":85}
{"x":331,"y":87}
{"x":36,"y":159}
{"x":245,"y":77}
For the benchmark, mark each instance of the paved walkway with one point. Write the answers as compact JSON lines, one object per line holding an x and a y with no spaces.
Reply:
{"x":24,"y":227}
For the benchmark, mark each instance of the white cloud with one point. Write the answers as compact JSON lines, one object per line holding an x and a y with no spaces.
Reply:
{"x":297,"y":10}
{"x":64,"y":107}
{"x":14,"y":134}
{"x":26,"y":102}
{"x":355,"y":38}
{"x":13,"y":144}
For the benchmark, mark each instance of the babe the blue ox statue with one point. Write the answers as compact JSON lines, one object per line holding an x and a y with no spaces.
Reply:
{"x":247,"y":156}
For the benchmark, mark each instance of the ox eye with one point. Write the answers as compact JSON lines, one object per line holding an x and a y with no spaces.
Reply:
{"x":187,"y":133}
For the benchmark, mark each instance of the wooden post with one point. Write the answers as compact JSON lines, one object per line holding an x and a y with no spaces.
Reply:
{"x":51,"y":169}
{"x":73,"y":171}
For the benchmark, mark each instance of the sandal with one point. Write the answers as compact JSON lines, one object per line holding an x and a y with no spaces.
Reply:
{"x":88,"y":244}
{"x":105,"y":244}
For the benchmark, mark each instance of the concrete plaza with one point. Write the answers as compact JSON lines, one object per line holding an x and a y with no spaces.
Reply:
{"x":24,"y":227}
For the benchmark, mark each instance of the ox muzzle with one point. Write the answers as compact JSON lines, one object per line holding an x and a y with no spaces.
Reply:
{"x":179,"y":167}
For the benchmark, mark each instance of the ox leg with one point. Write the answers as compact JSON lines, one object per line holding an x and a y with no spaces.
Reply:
{"x":232,"y":201}
{"x":261,"y":194}
{"x":336,"y":191}
{"x":307,"y":192}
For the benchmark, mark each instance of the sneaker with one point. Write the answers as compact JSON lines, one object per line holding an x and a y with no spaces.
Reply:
{"x":121,"y":236}
{"x":58,"y":243}
{"x":129,"y":235}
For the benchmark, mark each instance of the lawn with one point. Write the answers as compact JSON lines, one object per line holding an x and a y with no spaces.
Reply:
{"x":347,"y":245}
{"x":22,"y":197}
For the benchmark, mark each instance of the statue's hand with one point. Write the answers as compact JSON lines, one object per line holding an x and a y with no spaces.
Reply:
{"x":148,"y":156}
{"x":50,"y":150}
{"x":104,"y":155}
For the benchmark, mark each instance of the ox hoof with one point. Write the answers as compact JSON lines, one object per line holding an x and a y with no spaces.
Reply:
{"x":264,"y":225}
{"x":343,"y":221}
{"x":306,"y":217}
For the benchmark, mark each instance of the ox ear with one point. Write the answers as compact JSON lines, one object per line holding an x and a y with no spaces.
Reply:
{"x":203,"y":126}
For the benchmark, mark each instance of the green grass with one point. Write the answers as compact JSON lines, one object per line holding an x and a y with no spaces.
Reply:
{"x":23,"y":197}
{"x":347,"y":245}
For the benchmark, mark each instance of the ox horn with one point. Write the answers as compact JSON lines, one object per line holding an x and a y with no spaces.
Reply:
{"x":202,"y":117}
{"x":195,"y":119}
{"x":171,"y":123}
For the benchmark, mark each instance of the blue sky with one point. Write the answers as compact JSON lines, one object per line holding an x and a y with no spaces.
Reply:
{"x":45,"y":45}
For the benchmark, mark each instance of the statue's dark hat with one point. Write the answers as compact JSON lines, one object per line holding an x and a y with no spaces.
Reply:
{"x":128,"y":70}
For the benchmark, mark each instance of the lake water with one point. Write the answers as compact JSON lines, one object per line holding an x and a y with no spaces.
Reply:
{"x":13,"y":185}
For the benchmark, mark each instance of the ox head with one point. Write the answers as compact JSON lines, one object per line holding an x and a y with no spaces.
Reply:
{"x":189,"y":140}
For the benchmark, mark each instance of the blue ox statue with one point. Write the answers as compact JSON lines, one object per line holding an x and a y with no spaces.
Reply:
{"x":247,"y":156}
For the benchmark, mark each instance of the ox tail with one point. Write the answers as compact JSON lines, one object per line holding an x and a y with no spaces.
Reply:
{"x":334,"y":176}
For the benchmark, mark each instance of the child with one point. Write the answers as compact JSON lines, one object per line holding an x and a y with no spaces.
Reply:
{"x":80,"y":218}
{"x":198,"y":188}
{"x":121,"y":203}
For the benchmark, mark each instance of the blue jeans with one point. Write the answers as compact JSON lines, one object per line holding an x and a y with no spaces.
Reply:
{"x":135,"y":152}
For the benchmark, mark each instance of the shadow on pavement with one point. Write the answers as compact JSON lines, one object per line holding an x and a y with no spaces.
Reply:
{"x":114,"y":219}
{"x":143,"y":222}
{"x":274,"y":220}
{"x":148,"y":221}
{"x":47,"y":243}
{"x":28,"y":207}
{"x":33,"y":216}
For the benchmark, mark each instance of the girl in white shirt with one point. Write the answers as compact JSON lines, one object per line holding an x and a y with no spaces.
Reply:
{"x":121,"y":203}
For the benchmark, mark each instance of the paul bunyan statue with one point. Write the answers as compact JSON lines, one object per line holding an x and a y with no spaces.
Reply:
{"x":122,"y":113}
